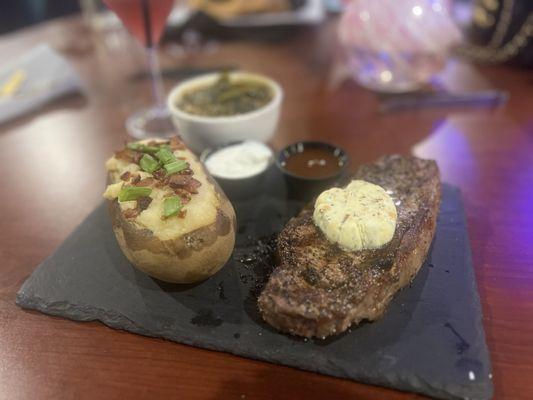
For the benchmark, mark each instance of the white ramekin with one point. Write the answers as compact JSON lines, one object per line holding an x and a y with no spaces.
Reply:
{"x":200,"y":132}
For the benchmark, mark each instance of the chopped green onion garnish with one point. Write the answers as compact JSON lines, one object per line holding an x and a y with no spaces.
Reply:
{"x":165,"y":156}
{"x":171,"y":206}
{"x":129,"y":193}
{"x":176,"y":166}
{"x":142,"y":148}
{"x":149,"y":163}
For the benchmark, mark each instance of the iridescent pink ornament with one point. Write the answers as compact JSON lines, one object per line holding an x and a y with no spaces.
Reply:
{"x":396,"y":45}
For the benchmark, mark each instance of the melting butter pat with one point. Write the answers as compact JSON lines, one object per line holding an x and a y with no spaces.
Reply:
{"x":360,"y":216}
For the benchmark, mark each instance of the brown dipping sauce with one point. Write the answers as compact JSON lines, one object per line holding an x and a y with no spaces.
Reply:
{"x":313,"y":162}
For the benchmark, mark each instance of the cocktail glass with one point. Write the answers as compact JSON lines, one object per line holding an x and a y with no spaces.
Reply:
{"x":145,"y":20}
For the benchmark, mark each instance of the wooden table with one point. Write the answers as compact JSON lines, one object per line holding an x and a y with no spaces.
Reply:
{"x":52,"y":163}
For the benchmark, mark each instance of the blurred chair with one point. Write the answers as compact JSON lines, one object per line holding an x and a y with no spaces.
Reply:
{"x":500,"y":31}
{"x":16,"y":14}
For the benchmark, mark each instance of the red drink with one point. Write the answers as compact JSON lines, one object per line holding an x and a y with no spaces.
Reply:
{"x":145,"y":19}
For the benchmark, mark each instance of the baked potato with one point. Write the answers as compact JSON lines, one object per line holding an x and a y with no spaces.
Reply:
{"x":170,"y":218}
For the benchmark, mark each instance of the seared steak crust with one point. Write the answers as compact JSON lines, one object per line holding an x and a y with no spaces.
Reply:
{"x":320,"y":290}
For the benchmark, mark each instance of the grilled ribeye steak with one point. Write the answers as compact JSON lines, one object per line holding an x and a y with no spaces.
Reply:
{"x":319,"y":290}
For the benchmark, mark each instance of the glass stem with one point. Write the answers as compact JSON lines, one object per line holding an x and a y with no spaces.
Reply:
{"x":155,"y":75}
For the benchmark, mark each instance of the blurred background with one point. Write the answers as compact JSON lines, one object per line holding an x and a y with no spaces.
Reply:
{"x":390,"y":48}
{"x":489,"y":24}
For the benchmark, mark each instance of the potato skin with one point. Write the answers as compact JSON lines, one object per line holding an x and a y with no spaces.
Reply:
{"x":189,"y":258}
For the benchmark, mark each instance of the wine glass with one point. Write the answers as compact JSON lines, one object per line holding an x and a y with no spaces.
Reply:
{"x":145,"y":20}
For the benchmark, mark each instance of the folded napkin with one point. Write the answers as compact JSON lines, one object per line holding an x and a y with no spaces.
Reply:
{"x":33,"y":79}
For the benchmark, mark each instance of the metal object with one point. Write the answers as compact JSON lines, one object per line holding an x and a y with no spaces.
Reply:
{"x":488,"y":98}
{"x":185,"y":72}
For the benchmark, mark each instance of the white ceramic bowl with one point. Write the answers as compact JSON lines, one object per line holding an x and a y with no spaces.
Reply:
{"x":200,"y":132}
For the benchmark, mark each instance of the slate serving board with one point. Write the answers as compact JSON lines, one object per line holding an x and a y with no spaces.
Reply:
{"x":430,"y":341}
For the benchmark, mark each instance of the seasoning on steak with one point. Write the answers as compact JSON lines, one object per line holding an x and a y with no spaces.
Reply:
{"x":319,"y":290}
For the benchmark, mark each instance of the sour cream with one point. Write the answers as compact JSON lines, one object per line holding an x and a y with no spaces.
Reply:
{"x":240,"y":160}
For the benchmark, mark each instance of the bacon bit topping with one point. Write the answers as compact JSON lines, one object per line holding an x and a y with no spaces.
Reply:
{"x":137,"y":157}
{"x":160,"y":174}
{"x":176,"y":143}
{"x":178,"y":181}
{"x":193,"y":186}
{"x":129,"y":155}
{"x":184,"y":195}
{"x":145,"y":182}
{"x":185,"y":182}
{"x":131,"y":213}
{"x":143,"y":203}
{"x":181,"y":182}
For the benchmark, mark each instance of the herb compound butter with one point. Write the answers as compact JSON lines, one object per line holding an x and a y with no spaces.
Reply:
{"x":360,"y":216}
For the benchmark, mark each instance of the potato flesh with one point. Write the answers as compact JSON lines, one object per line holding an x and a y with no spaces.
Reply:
{"x":200,"y":211}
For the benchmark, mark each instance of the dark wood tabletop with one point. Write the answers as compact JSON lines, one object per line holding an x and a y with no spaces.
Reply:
{"x":53,"y":176}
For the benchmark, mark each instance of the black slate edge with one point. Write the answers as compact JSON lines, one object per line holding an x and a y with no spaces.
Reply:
{"x":483,"y":389}
{"x":119,"y":322}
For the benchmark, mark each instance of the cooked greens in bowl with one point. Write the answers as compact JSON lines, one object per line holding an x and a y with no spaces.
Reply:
{"x":213,"y":109}
{"x":228,"y":95}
